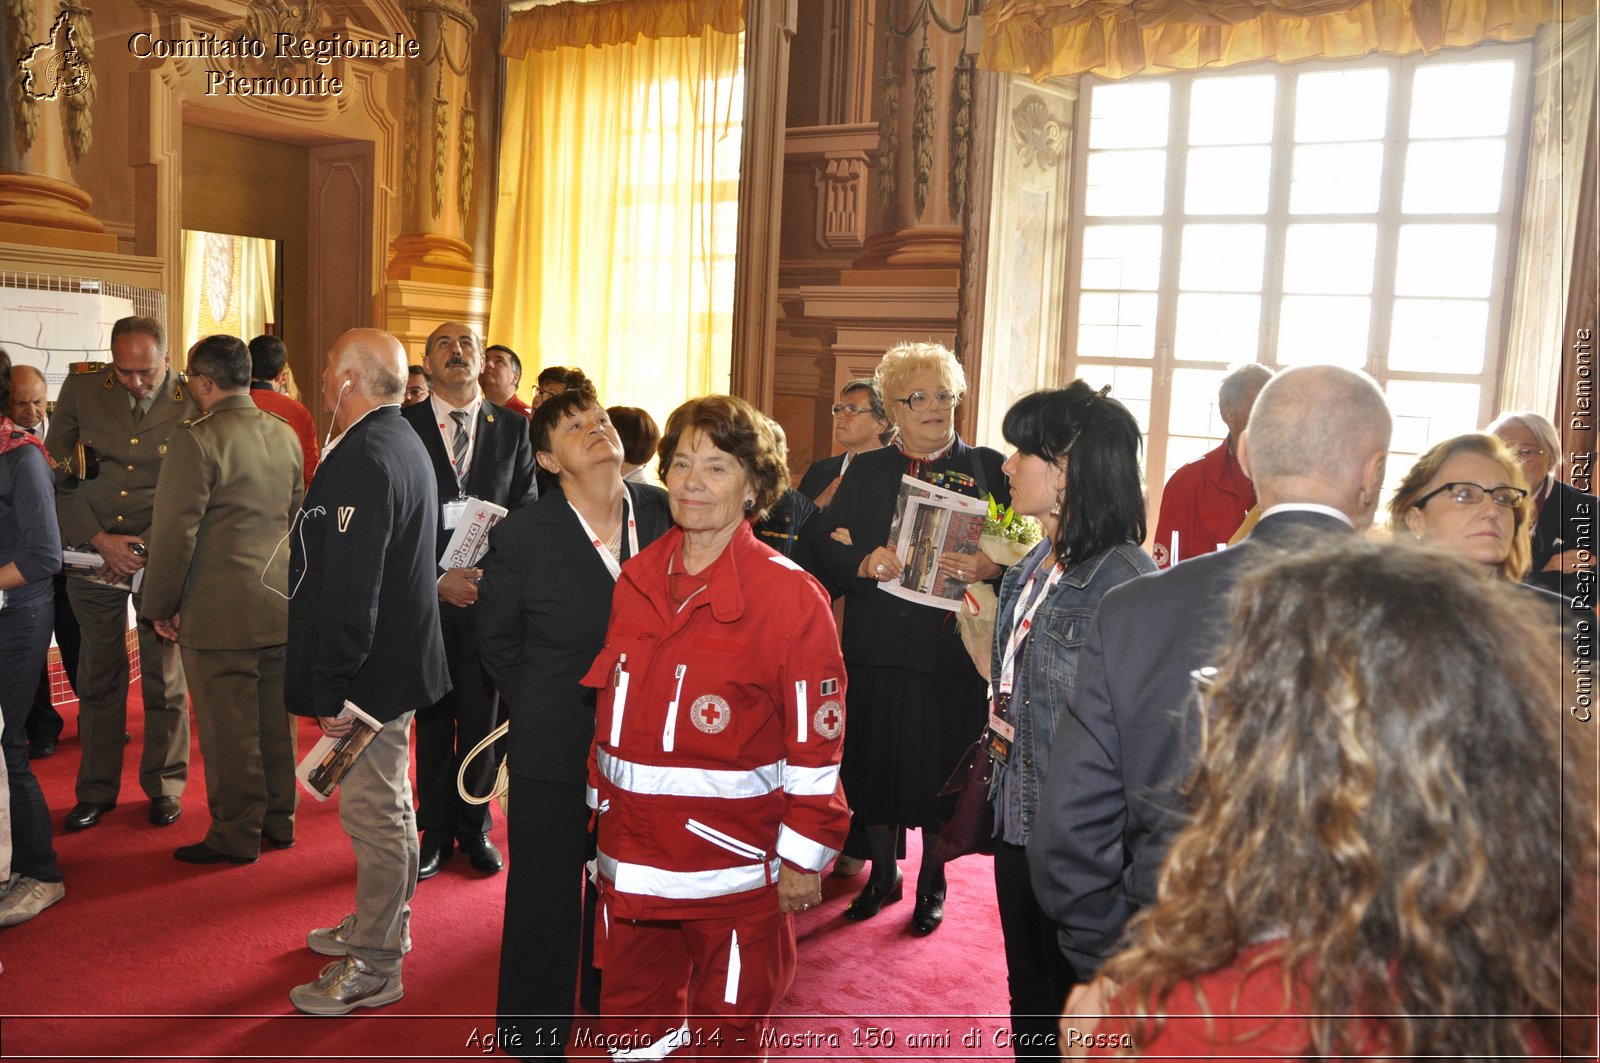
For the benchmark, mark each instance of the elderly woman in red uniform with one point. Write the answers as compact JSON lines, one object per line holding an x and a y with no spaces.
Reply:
{"x":715,"y":768}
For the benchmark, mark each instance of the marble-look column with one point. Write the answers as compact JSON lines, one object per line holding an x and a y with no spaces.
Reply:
{"x":45,"y":126}
{"x":441,"y":130}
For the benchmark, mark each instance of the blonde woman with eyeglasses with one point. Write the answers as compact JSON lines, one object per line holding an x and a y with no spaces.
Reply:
{"x":1467,"y":496}
{"x":915,"y":699}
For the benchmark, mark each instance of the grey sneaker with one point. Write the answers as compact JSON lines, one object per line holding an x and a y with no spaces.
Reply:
{"x":26,"y":898}
{"x":335,"y":940}
{"x":345,"y":985}
{"x":5,"y":887}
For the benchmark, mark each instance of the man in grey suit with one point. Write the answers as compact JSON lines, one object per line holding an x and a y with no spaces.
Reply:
{"x":127,"y":414}
{"x":216,"y":584}
{"x":1315,"y":447}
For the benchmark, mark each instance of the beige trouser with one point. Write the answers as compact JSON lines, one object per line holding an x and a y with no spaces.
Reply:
{"x":102,"y":613}
{"x":375,"y":810}
{"x":247,"y":743}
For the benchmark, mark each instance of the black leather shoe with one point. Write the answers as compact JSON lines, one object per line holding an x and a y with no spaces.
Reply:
{"x":277,"y":843}
{"x":201,"y":853}
{"x":928,"y":914}
{"x":481,"y":853}
{"x":39,"y":748}
{"x":874,"y":897}
{"x":164,"y":811}
{"x":86,"y":814}
{"x":436,"y":849}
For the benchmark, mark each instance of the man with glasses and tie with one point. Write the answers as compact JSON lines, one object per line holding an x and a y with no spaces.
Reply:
{"x":126,"y":414}
{"x":479,"y":450}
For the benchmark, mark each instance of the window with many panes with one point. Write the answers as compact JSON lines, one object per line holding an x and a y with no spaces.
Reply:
{"x":1357,"y":213}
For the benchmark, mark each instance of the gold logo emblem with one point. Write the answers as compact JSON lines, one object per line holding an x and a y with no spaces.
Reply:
{"x":345,"y":513}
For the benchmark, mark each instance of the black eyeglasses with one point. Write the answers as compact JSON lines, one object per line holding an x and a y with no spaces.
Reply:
{"x":919,"y":401}
{"x":1468,"y":493}
{"x":1524,"y":453}
{"x":849,"y":409}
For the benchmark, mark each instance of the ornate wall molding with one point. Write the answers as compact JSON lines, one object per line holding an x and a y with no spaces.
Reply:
{"x":1039,"y":136}
{"x":841,"y":200}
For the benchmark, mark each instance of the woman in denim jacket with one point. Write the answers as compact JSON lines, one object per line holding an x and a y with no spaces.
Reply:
{"x":1076,"y":470}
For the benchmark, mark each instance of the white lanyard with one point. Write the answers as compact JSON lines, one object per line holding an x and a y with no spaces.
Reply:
{"x":613,"y":566}
{"x":1022,"y":623}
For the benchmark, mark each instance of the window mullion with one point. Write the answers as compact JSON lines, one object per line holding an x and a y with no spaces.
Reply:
{"x":1389,"y":217}
{"x":1277,"y":220}
{"x":1172,"y":219}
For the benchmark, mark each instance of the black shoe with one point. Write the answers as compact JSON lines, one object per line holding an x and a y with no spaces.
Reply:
{"x":277,"y":843}
{"x":164,"y":811}
{"x":436,"y":849}
{"x":201,"y":853}
{"x":928,"y":914}
{"x":39,"y":748}
{"x":86,"y":814}
{"x":481,"y":853}
{"x":874,"y":897}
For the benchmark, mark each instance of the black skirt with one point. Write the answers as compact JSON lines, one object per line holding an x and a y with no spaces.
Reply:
{"x":905,"y":731}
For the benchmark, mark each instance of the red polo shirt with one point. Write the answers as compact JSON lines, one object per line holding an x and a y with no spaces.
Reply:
{"x":1205,"y":502}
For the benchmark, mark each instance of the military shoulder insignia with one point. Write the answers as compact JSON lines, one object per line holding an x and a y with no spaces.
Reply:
{"x":80,"y":368}
{"x":190,"y":422}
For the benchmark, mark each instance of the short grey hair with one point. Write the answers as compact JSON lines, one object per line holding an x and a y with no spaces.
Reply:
{"x":1317,"y":422}
{"x":381,"y":373}
{"x":1247,"y":379}
{"x":1542,"y":430}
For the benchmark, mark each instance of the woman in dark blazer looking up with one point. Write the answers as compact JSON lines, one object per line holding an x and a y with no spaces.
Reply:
{"x":543,"y":609}
{"x":914,"y":701}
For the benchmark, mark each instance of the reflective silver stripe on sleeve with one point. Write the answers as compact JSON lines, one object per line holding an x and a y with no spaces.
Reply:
{"x":810,"y":782}
{"x":802,"y":851}
{"x":802,"y":711}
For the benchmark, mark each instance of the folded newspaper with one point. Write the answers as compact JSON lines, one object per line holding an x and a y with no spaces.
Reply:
{"x":471,"y":538}
{"x":930,"y":521}
{"x":322,"y":769}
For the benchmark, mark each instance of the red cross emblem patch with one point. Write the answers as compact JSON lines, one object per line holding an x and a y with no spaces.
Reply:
{"x":829,"y":719}
{"x":710,"y":713}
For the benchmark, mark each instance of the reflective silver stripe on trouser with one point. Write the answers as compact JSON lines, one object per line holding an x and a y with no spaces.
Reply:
{"x":647,"y":881}
{"x":730,"y":991}
{"x":661,"y":781}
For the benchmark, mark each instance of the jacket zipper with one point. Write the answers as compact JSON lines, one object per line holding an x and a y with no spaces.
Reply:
{"x":726,"y":841}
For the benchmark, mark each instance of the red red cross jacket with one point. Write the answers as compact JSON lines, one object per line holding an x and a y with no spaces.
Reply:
{"x":717,"y":734}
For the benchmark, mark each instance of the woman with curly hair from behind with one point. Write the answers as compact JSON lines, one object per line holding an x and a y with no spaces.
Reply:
{"x":1392,"y":849}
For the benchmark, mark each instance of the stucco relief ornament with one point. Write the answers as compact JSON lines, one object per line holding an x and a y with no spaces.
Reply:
{"x":1039,"y":136}
{"x":922,"y":124}
{"x":888,"y":134}
{"x":469,"y":126}
{"x":267,"y":18}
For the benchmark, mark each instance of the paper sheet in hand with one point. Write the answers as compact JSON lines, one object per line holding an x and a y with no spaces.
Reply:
{"x":322,"y":769}
{"x":88,"y":562}
{"x":471,"y":538}
{"x":930,"y":522}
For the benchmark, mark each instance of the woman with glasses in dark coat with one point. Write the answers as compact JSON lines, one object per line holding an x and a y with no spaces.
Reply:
{"x":915,"y":700}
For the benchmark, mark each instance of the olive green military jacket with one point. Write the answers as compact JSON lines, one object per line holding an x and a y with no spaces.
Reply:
{"x":230,"y":488}
{"x":93,"y":409}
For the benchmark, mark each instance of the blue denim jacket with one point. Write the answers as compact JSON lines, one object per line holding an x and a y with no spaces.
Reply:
{"x":1049,"y":669}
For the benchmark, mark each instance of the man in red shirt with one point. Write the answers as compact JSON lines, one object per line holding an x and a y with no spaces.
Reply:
{"x":1205,"y":501}
{"x":268,"y":356}
{"x":502,"y":372}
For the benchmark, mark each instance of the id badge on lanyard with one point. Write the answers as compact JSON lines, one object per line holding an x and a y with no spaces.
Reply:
{"x":451,"y":512}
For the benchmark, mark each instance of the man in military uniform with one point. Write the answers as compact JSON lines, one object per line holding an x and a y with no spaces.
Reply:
{"x":126,"y":413}
{"x":217,"y":584}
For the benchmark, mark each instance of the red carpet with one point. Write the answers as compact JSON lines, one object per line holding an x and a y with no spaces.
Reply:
{"x":147,"y":957}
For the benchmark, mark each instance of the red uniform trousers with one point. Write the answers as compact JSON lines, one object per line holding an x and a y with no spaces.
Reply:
{"x":661,"y":976}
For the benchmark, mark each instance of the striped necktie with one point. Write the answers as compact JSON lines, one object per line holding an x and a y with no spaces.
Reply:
{"x":458,"y":446}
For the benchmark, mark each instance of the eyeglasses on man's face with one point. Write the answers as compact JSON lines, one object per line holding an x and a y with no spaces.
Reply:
{"x":1470,"y":494}
{"x":921,"y":401}
{"x":849,"y":409}
{"x":1526,"y":453}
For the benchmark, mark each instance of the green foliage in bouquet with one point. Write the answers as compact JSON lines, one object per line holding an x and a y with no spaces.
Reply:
{"x":1006,"y":524}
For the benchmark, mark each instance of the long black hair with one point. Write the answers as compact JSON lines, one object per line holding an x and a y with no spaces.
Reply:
{"x":1104,"y":503}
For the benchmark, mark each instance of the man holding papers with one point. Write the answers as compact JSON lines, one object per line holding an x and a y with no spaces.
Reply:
{"x":364,"y":629}
{"x":480,"y":453}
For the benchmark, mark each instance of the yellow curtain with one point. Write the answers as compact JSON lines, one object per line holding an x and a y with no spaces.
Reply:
{"x":228,"y":286}
{"x":618,"y":202}
{"x":1118,"y":38}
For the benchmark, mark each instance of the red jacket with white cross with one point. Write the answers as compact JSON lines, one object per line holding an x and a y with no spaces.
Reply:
{"x":717,"y":735}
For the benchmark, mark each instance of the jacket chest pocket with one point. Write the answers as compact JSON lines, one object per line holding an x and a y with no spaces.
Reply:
{"x":707,"y":699}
